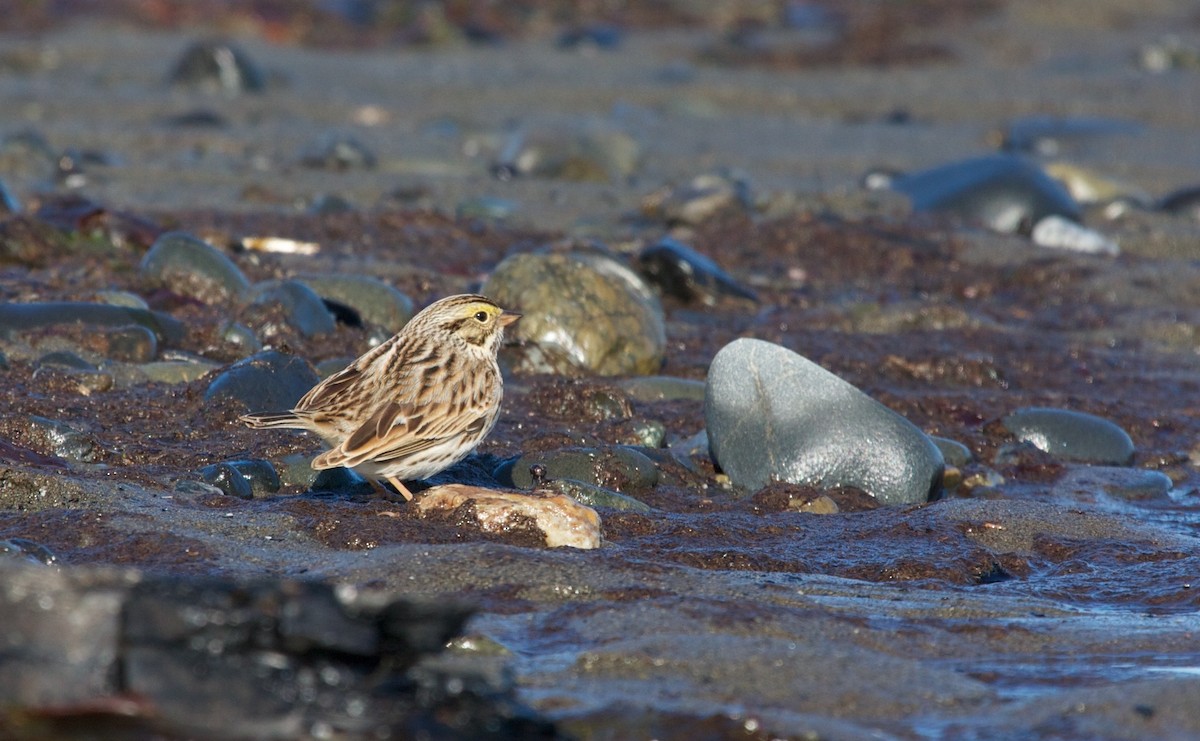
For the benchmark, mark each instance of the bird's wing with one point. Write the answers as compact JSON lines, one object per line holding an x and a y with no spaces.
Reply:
{"x":396,"y":432}
{"x":332,"y":389}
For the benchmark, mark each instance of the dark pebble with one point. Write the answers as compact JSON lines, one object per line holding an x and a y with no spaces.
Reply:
{"x":258,"y":478}
{"x":226,"y":478}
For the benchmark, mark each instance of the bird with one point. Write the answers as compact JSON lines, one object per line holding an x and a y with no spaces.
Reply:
{"x":415,"y":404}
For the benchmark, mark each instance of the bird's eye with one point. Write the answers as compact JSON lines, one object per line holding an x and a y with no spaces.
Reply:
{"x":481,"y":316}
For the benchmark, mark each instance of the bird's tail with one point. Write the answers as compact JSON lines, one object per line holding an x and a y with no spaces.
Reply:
{"x":262,"y":420}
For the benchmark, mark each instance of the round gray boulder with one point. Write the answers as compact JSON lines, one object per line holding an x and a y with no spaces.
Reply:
{"x":774,"y":415}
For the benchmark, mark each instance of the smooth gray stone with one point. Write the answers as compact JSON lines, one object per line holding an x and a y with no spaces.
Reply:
{"x":267,"y":382}
{"x":22,"y":317}
{"x":305,"y":309}
{"x":375,"y":301}
{"x":1071,"y":436}
{"x":194,"y":268}
{"x":954,"y":452}
{"x":618,"y":468}
{"x":774,"y":415}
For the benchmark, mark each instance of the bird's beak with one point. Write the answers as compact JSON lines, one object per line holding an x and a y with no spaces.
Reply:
{"x":507,"y":318}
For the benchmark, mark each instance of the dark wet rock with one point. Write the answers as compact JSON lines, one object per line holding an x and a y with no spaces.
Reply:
{"x":338,"y":152}
{"x":269,"y":381}
{"x":681,"y":272}
{"x":302,"y":309}
{"x":772,"y":414}
{"x":1004,"y":192}
{"x":226,"y":478}
{"x":220,"y":659}
{"x":191,"y":267}
{"x":338,"y":480}
{"x":662,"y":388}
{"x":1130,"y":484}
{"x":27,"y":551}
{"x":62,"y":440}
{"x":245,"y":479}
{"x":296,"y":469}
{"x":1054,"y":136}
{"x":953,"y":452}
{"x":486,"y":208}
{"x":375,"y":301}
{"x":216,"y":66}
{"x":581,"y":313}
{"x":619,"y":468}
{"x":1071,"y":436}
{"x":17,"y":318}
{"x":62,"y":629}
{"x":593,"y":496}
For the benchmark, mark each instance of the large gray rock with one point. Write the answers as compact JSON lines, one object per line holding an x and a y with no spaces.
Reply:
{"x":774,"y":415}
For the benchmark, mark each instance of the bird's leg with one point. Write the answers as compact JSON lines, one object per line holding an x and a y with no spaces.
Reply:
{"x":400,"y":487}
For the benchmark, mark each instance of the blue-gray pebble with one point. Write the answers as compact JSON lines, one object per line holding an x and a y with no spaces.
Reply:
{"x":772,"y":414}
{"x":1071,"y":436}
{"x":268,"y":381}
